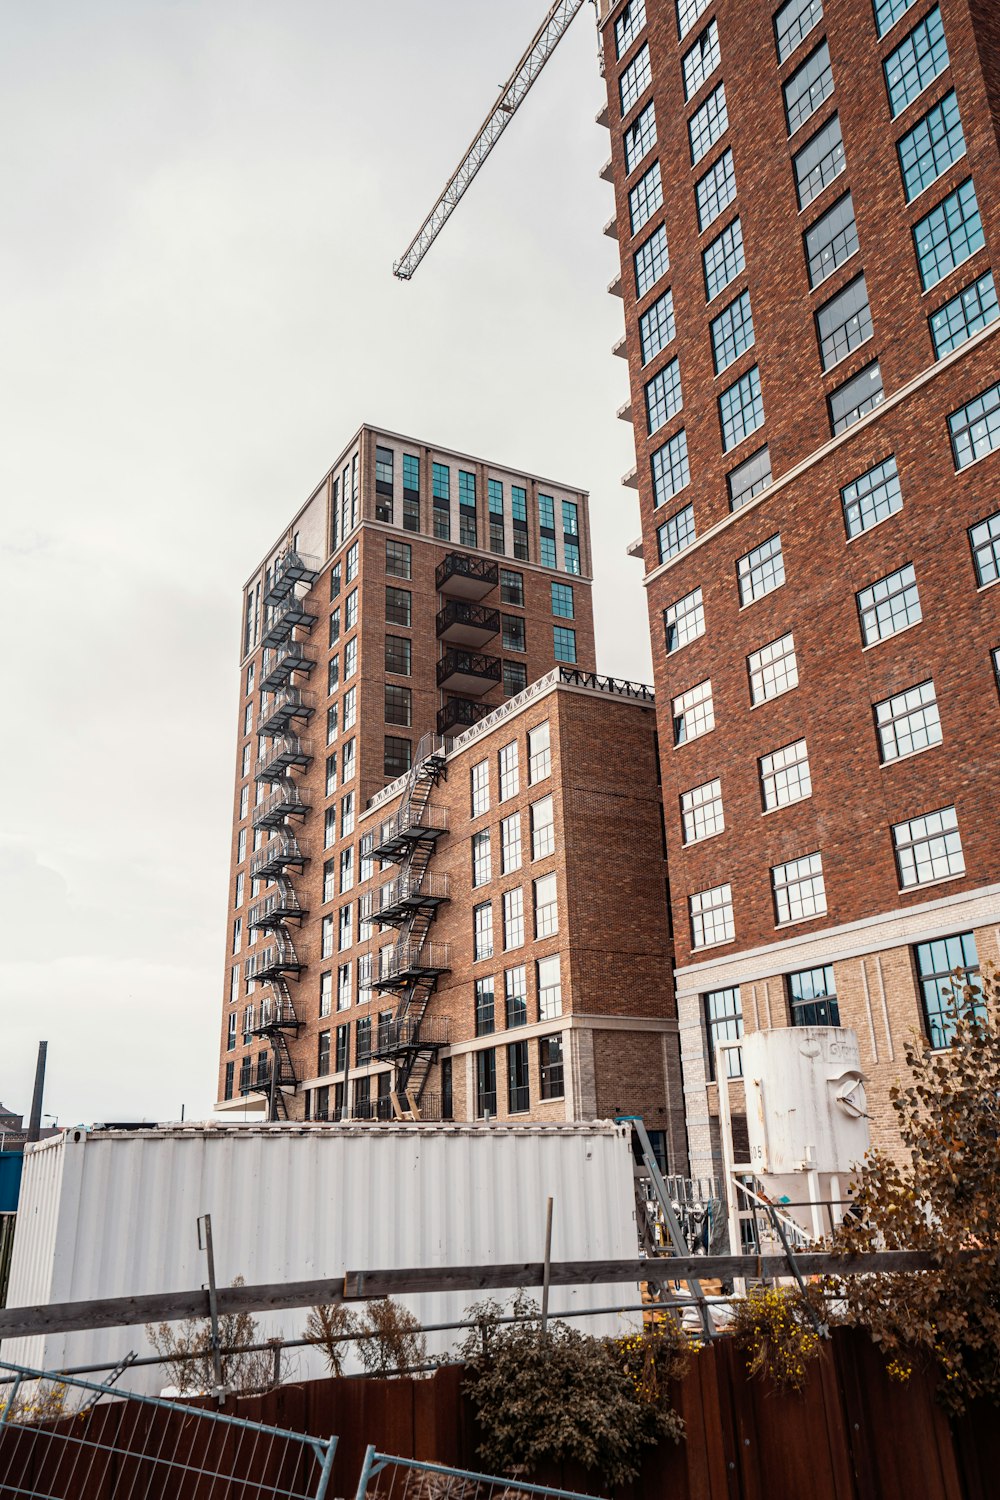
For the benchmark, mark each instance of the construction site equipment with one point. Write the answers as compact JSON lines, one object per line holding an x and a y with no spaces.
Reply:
{"x":650,"y":1186}
{"x":386,"y":1478}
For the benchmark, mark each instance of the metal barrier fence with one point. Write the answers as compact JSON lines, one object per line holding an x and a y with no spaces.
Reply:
{"x":68,"y":1439}
{"x":386,"y":1478}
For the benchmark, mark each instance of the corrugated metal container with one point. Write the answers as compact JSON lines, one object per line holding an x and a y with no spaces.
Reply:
{"x":111,"y":1213}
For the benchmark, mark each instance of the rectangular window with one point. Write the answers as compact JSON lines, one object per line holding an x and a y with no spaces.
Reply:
{"x":344,"y":977}
{"x":482,"y":930}
{"x":543,"y":834}
{"x":411,"y":474}
{"x":326,"y":938}
{"x":333,"y":674}
{"x":237,"y":934}
{"x":479,"y":777}
{"x":515,"y":985}
{"x":929,"y":149}
{"x":985,"y":541}
{"x":749,"y":478}
{"x":724,"y":1023}
{"x":871,"y":497}
{"x":441,"y":497}
{"x":510,"y":839}
{"x":564,"y":644}
{"x":513,"y":632}
{"x":329,"y":827}
{"x":494,"y":494}
{"x":656,"y":326}
{"x":701,"y":811}
{"x":799,"y":892}
{"x":701,"y":60}
{"x":348,"y":760}
{"x":513,"y":918}
{"x":546,"y":906}
{"x":485,"y":1007}
{"x":334,"y":627}
{"x":663,"y":396}
{"x":398,"y":704}
{"x":482,"y":863}
{"x":670,"y":469}
{"x":844,"y":322}
{"x":231,"y":1035}
{"x":398,"y":606}
{"x":693,"y":713}
{"x":794,"y":21}
{"x":949,"y":234}
{"x":684,"y":620}
{"x":708,"y":123}
{"x":350,"y":708}
{"x":227,"y":1091}
{"x":398,"y":559}
{"x":562,"y":601}
{"x":518,"y":1093}
{"x":928,"y":848}
{"x":857,"y":396}
{"x":515,"y":678}
{"x":346,"y":931}
{"x":351,"y":610}
{"x":467,"y":508}
{"x":365,"y":851}
{"x":340,"y":1049}
{"x":731,"y":332}
{"x":511,"y":588}
{"x":398,"y":655}
{"x":888,"y":12}
{"x":645,"y":198}
{"x":975,"y":428}
{"x":808,"y":87}
{"x":550,"y":1067}
{"x":908,"y":722}
{"x":539,"y":754}
{"x":712,"y":916}
{"x":916,"y":62}
{"x":831,"y":241}
{"x":716,"y":190}
{"x":812,"y":997}
{"x":362,"y":1043}
{"x":819,"y":162}
{"x":507,"y":762}
{"x":323,"y":1053}
{"x":723,"y":259}
{"x":971,"y":309}
{"x":486,"y":1084}
{"x":331,"y":772}
{"x":350,"y":658}
{"x":937,"y":963}
{"x":761,"y":571}
{"x":547,"y":530}
{"x":519,"y":518}
{"x":628,"y":25}
{"x":773,"y":669}
{"x":688,"y":12}
{"x":889,"y":605}
{"x":635,"y":79}
{"x":244,"y":801}
{"x":640,"y":138}
{"x":549,"y":982}
{"x":652,"y":261}
{"x":785,"y":776}
{"x":351,"y":565}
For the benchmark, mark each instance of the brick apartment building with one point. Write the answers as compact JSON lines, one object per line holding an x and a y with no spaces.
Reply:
{"x":808,"y":211}
{"x":398,"y":624}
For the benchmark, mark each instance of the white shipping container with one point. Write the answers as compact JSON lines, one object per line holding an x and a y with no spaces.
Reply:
{"x":113,"y":1213}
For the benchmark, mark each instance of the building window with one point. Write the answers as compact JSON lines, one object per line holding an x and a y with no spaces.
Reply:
{"x":227,"y":1091}
{"x":398,"y":655}
{"x":543,"y":836}
{"x":244,"y":801}
{"x":485,"y":1007}
{"x":640,"y":138}
{"x":656,"y":326}
{"x":518,"y":1095}
{"x":479,"y":777}
{"x":351,"y":610}
{"x":398,"y":606}
{"x":749,"y":478}
{"x":539,"y":753}
{"x":333,"y":675}
{"x":507,"y":764}
{"x":482,"y":863}
{"x":949,"y":234}
{"x":397,"y":756}
{"x":675,"y":533}
{"x":398,"y":704}
{"x":398,"y":559}
{"x":724,"y":1023}
{"x":701,"y":60}
{"x":628,"y":25}
{"x":511,"y":588}
{"x":693,"y":713}
{"x":812,"y":997}
{"x":363,"y":1042}
{"x":486,"y":1083}
{"x":562,"y":601}
{"x":888,"y":12}
{"x":334,"y":627}
{"x":515,"y":986}
{"x":231,"y":1035}
{"x":519,"y":519}
{"x":688,"y":12}
{"x":652,"y":260}
{"x":712,"y":916}
{"x":326,"y":939}
{"x":985,"y":541}
{"x":564,"y":643}
{"x":773,"y":669}
{"x":889,"y":605}
{"x":550,"y":1067}
{"x":344,"y":975}
{"x":701,"y":811}
{"x":330,"y":827}
{"x":365,"y":978}
{"x":346,"y":933}
{"x":708,"y":123}
{"x":929,"y":149}
{"x":664,"y":398}
{"x":348,"y":760}
{"x":928,"y":848}
{"x":494,"y":494}
{"x":975,"y":428}
{"x":850,"y":401}
{"x":331,"y":772}
{"x":351,"y":565}
{"x":645,"y":198}
{"x":350,"y":658}
{"x":843,"y":323}
{"x":741,"y":409}
{"x":732,"y":332}
{"x":872,"y":497}
{"x":794,"y":21}
{"x":971,"y":309}
{"x":669,"y":466}
{"x":441,"y":497}
{"x":346,"y":869}
{"x":341,"y":1041}
{"x":546,"y":906}
{"x":819,"y":162}
{"x":799,"y":892}
{"x":513,"y":918}
{"x":785,"y":776}
{"x":467,"y":509}
{"x":715,"y":191}
{"x":513,"y":632}
{"x":916,"y":62}
{"x":761,"y":571}
{"x":411,"y":492}
{"x":365,"y":851}
{"x":549,"y":983}
{"x":808,"y":87}
{"x":937,"y":963}
{"x":635,"y":79}
{"x":684,"y":621}
{"x":323,"y":1053}
{"x":831,"y":241}
{"x":515,"y":678}
{"x":482,"y":928}
{"x":510,"y":841}
{"x":723,"y":259}
{"x":346,"y":814}
{"x":237,"y":934}
{"x":547,"y":530}
{"x":908,"y":722}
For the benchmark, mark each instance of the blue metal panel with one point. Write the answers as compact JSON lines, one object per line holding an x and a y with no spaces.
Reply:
{"x":10,"y":1180}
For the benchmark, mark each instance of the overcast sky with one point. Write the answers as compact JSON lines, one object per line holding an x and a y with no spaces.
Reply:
{"x":201,"y":207}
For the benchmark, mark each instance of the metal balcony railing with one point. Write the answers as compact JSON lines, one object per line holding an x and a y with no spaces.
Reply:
{"x":276,"y":855}
{"x":282,"y":660}
{"x":407,"y":960}
{"x":460,"y":713}
{"x":413,"y":891}
{"x":285,"y":752}
{"x":283,"y":617}
{"x":468,"y":623}
{"x":277,"y":907}
{"x":287,"y":704}
{"x":290,"y":568}
{"x":470,"y":577}
{"x":407,"y":1034}
{"x":373,"y":1109}
{"x":409,"y":825}
{"x":277,"y":1013}
{"x":286,"y":802}
{"x":471,"y":668}
{"x":271,"y":962}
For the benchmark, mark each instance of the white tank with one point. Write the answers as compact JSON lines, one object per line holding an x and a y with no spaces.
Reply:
{"x":805,"y":1100}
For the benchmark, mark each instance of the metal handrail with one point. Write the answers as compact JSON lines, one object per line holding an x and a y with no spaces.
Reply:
{"x":281,"y":850}
{"x":474,"y":663}
{"x":465,"y":612}
{"x":463,"y":565}
{"x":415,"y":956}
{"x":286,"y":744}
{"x":409,"y":817}
{"x":406,"y":887}
{"x":287,"y":796}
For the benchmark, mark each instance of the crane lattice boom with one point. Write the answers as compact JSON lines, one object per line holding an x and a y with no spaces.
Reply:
{"x":512,"y":95}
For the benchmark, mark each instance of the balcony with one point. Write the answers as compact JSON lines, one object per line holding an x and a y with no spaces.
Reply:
{"x":411,"y":893}
{"x":283,"y":617}
{"x":277,"y":855}
{"x":407,"y":1034}
{"x":281,"y":661}
{"x":410,"y":825}
{"x":463,"y":624}
{"x":277,"y":1013}
{"x":413,"y":961}
{"x":468,"y":672}
{"x":283,"y":754}
{"x":275,"y":909}
{"x":466,"y":577}
{"x":286,"y":802}
{"x":460,"y":713}
{"x":290,"y":568}
{"x":286,"y":705}
{"x":273,"y":962}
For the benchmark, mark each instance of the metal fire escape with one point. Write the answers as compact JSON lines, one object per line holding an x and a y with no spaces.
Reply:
{"x":409,"y":1040}
{"x":283,"y":710}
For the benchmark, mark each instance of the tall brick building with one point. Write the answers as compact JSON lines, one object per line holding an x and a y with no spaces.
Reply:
{"x":411,"y":942}
{"x":808,"y":213}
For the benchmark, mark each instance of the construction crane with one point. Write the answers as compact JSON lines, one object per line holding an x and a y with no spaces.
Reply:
{"x":511,"y":97}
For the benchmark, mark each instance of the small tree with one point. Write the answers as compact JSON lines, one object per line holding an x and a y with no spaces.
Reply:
{"x":331,"y":1325}
{"x":945,"y":1201}
{"x":188,"y":1351}
{"x":394,"y":1340}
